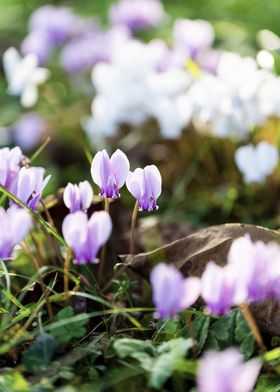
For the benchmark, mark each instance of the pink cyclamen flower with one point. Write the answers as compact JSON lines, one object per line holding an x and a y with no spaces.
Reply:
{"x":258,"y":266}
{"x":78,"y":197}
{"x":86,"y":236}
{"x":29,"y":185}
{"x":137,"y":14}
{"x":14,"y":226}
{"x":110,"y":173}
{"x":221,"y":289}
{"x":226,"y":372}
{"x":145,"y":186}
{"x":172,"y":292}
{"x":10,"y":160}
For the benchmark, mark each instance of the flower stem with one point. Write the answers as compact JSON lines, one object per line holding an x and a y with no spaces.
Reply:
{"x":253,"y":326}
{"x":133,"y":227}
{"x":66,"y":274}
{"x":103,"y":250}
{"x":28,"y":251}
{"x":192,"y":334}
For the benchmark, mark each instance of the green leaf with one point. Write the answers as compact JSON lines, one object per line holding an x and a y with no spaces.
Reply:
{"x":66,"y":333}
{"x":40,"y":353}
{"x":268,"y":384}
{"x":159,"y":363}
{"x":11,"y":298}
{"x":126,"y":347}
{"x":200,"y":326}
{"x":231,"y":330}
{"x":13,"y":382}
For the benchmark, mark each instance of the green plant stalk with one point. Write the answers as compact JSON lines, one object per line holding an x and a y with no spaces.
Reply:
{"x":40,"y":149}
{"x":66,"y":274}
{"x":36,"y":267}
{"x":103,"y":251}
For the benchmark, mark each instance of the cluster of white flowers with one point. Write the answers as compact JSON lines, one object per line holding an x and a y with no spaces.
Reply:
{"x":230,"y":103}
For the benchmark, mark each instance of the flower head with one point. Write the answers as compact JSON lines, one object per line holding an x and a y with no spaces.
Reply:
{"x":86,"y":236}
{"x":37,"y":42}
{"x":110,"y":173}
{"x":14,"y":226}
{"x":57,"y":22}
{"x":29,"y":185}
{"x":10,"y":160}
{"x":221,"y":288}
{"x":172,"y":293}
{"x":226,"y":372}
{"x":193,"y":36}
{"x":256,"y":163}
{"x":78,"y":197}
{"x":145,"y":186}
{"x":258,"y":266}
{"x":137,"y":14}
{"x":23,"y":75}
{"x":28,"y":131}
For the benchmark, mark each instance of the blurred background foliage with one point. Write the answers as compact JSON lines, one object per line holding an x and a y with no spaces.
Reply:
{"x":201,"y":182}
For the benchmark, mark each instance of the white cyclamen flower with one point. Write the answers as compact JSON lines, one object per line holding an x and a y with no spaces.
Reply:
{"x":256,"y":163}
{"x":23,"y":76}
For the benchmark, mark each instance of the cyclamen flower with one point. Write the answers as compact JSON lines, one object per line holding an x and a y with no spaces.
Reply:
{"x":86,"y":236}
{"x":110,"y":173}
{"x":10,"y":160}
{"x":78,"y":197}
{"x":37,"y":42}
{"x":28,"y":131}
{"x":29,"y":185}
{"x":145,"y":186}
{"x":258,"y":266}
{"x":256,"y":163}
{"x":172,"y":293}
{"x":137,"y":14}
{"x":193,"y":36}
{"x":14,"y":226}
{"x":23,"y":75}
{"x":57,"y":22}
{"x":226,"y":372}
{"x":221,"y":289}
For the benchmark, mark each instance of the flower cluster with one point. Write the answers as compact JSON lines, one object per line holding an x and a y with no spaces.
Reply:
{"x":24,"y":76}
{"x":251,"y":274}
{"x":26,"y":183}
{"x":86,"y":236}
{"x":187,"y":82}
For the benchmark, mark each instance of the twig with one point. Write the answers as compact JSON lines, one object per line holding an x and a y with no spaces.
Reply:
{"x":253,"y":326}
{"x":132,"y":229}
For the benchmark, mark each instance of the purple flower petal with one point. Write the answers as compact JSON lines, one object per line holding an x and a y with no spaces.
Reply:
{"x":86,"y":195}
{"x":225,"y":372}
{"x":119,"y":167}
